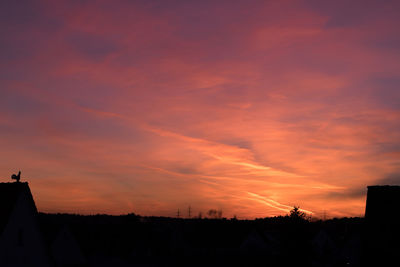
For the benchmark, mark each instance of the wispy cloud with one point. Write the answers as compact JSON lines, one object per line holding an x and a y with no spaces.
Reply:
{"x":131,"y":106}
{"x":273,"y":203}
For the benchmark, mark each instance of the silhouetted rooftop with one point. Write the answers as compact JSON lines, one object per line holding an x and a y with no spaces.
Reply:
{"x":383,"y":203}
{"x":395,"y":187}
{"x":9,"y":193}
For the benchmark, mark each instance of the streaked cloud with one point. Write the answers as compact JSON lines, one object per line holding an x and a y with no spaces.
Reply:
{"x":151,"y":106}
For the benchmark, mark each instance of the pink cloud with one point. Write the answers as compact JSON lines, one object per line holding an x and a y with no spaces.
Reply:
{"x":253,"y":108}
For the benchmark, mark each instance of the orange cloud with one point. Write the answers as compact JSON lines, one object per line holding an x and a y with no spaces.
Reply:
{"x":149,"y":107}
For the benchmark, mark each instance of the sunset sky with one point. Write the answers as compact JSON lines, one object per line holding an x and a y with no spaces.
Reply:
{"x":251,"y":107}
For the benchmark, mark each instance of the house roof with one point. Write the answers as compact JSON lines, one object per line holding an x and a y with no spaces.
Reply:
{"x":9,"y":193}
{"x":383,"y":204}
{"x":384,"y":187}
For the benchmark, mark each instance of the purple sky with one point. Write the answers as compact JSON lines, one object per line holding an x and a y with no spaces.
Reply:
{"x":251,"y":107}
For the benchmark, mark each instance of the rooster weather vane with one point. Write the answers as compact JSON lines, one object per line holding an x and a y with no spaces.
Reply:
{"x":16,"y":177}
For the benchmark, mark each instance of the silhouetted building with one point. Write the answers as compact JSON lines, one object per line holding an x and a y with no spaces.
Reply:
{"x":382,"y":214}
{"x":21,"y":241}
{"x":383,"y":204}
{"x":66,"y":250}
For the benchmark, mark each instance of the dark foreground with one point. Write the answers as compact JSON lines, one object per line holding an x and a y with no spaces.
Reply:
{"x":130,"y":240}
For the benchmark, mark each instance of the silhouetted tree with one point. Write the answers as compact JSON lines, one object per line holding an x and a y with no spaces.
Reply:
{"x":297,"y":214}
{"x":219,"y":214}
{"x":212,"y":213}
{"x":215,"y":214}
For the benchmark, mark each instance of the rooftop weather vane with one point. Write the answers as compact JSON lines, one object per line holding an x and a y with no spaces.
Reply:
{"x":16,"y":177}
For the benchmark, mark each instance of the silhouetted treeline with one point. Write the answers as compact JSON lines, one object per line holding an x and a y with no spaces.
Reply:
{"x":131,"y":240}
